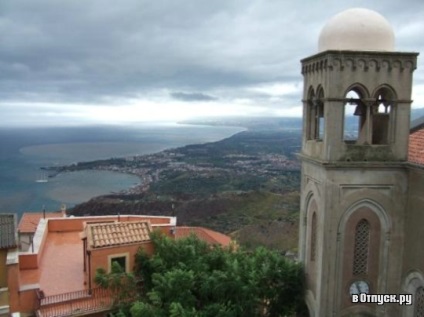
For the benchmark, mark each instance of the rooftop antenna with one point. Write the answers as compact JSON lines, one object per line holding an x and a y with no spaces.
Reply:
{"x":44,"y":212}
{"x":63,"y":209}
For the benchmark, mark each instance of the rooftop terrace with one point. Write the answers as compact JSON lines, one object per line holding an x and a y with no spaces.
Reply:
{"x":55,"y":276}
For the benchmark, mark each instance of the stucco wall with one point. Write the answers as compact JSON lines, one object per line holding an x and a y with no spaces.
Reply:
{"x":100,"y":258}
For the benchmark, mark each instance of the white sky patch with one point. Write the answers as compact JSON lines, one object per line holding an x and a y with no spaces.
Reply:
{"x":418,"y":96}
{"x":410,"y":30}
{"x":289,"y":112}
{"x":279,"y":89}
{"x":131,"y":112}
{"x":148,"y":110}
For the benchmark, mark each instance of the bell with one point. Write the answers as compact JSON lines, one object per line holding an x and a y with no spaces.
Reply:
{"x":359,"y":110}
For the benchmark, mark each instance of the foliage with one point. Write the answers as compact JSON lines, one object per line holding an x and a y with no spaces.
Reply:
{"x":189,"y":278}
{"x":122,"y":285}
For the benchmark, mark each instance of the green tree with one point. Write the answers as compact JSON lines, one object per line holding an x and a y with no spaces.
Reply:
{"x":189,"y":278}
{"x":122,"y":285}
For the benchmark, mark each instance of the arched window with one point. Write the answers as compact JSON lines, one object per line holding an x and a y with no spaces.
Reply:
{"x":368,"y":120}
{"x":313,"y":236}
{"x":319,"y":112}
{"x":419,"y":302}
{"x":354,"y":117}
{"x":414,"y":284}
{"x":361,"y":248}
{"x":382,"y":113}
{"x":315,"y":114}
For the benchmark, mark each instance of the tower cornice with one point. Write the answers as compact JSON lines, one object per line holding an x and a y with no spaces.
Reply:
{"x":354,"y":164}
{"x":359,"y":60}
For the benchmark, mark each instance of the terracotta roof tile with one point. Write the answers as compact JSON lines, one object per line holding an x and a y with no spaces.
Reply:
{"x":119,"y":233}
{"x":7,"y":231}
{"x":207,"y":235}
{"x":30,"y":220}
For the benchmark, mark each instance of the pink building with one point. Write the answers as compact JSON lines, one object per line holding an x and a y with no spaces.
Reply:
{"x":54,"y":276}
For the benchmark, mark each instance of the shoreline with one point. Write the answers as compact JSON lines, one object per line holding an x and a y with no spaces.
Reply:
{"x":141,"y":186}
{"x":22,"y":193}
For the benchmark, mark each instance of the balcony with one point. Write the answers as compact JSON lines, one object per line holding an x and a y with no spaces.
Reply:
{"x":79,"y":303}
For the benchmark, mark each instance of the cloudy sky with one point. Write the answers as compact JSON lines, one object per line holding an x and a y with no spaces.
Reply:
{"x":100,"y":61}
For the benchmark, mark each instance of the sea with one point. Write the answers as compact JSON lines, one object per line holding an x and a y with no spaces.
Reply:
{"x":26,"y":187}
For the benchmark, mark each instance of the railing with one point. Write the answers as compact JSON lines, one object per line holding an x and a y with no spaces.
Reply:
{"x":60,"y":298}
{"x":74,"y":303}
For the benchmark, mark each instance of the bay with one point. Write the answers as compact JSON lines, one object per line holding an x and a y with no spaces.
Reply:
{"x":25,"y":187}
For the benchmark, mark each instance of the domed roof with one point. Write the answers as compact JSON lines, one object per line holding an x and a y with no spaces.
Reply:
{"x":357,"y":30}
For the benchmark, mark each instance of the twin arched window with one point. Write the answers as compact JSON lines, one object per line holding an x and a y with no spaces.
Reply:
{"x":368,"y":120}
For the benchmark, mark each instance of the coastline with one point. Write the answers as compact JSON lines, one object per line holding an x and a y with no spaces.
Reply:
{"x":19,"y":191}
{"x":145,"y":177}
{"x":63,"y":188}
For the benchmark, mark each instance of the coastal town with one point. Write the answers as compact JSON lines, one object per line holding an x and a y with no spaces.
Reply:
{"x":204,"y":160}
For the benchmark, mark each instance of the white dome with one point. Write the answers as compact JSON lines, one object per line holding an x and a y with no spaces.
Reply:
{"x":357,"y":30}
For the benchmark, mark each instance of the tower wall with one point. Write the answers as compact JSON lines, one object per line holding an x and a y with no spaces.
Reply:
{"x":356,"y":189}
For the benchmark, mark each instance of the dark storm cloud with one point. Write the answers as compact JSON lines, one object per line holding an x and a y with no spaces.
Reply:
{"x":104,"y":51}
{"x":191,"y":96}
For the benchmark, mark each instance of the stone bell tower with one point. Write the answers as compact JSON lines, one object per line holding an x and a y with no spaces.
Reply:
{"x":356,"y":110}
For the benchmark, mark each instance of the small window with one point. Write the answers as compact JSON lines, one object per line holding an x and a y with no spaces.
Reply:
{"x":121,"y":261}
{"x":313,"y":236}
{"x":361,"y":248}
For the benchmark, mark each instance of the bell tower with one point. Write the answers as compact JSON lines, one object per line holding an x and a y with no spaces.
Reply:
{"x":356,"y":110}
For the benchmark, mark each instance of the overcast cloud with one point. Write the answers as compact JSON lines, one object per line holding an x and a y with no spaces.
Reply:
{"x":133,"y":60}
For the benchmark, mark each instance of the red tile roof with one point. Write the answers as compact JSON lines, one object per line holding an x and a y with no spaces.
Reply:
{"x":207,"y":235}
{"x":416,"y":147}
{"x":30,"y":220}
{"x":118,"y":233}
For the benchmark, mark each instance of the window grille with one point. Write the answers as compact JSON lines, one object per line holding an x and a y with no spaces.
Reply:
{"x":419,"y":302}
{"x":361,"y":249}
{"x":313,"y":236}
